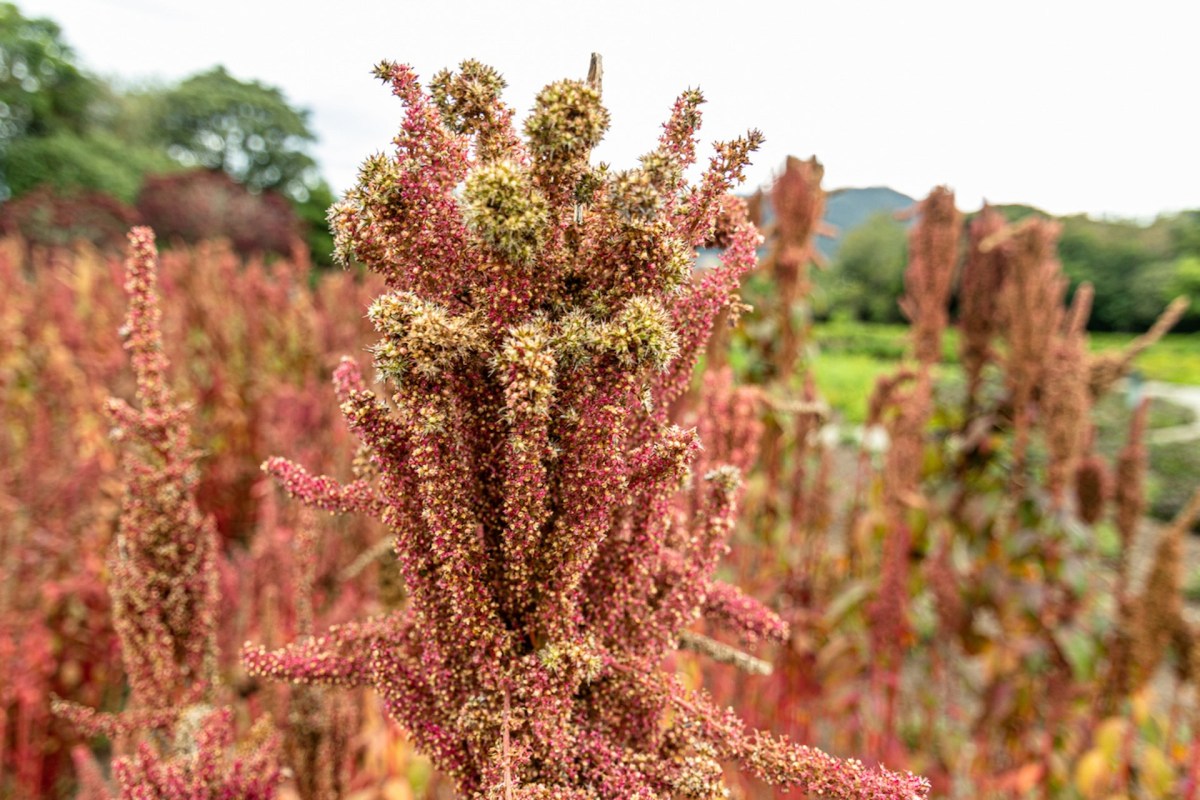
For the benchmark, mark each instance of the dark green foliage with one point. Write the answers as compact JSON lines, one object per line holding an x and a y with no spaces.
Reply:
{"x":1185,"y":280}
{"x":866,"y":279}
{"x":1015,"y":212}
{"x":243,"y":128}
{"x":1136,"y":269}
{"x":1184,"y":233}
{"x":312,"y":213}
{"x":42,"y":90}
{"x":97,"y":161}
{"x":83,"y":139}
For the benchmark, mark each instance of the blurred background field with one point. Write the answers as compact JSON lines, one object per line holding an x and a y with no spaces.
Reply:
{"x":852,"y":354}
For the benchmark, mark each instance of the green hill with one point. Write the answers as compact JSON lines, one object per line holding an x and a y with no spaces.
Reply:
{"x":846,"y":209}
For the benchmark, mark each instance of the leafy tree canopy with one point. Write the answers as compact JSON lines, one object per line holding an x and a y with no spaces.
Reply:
{"x":243,"y":128}
{"x":866,"y":278}
{"x":42,"y":90}
{"x":1185,"y":233}
{"x":97,"y":161}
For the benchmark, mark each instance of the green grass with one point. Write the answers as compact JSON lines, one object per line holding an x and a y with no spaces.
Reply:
{"x":884,"y":342}
{"x":845,"y":380}
{"x":851,"y":356}
{"x":1176,"y":359}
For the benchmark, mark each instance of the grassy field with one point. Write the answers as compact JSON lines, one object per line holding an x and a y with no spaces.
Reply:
{"x":1176,"y":359}
{"x":849,"y":357}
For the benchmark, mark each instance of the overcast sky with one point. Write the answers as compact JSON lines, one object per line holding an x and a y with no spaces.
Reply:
{"x":1071,"y":106}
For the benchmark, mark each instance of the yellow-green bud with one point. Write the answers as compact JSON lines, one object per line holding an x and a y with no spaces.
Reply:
{"x":567,"y":122}
{"x":505,"y":209}
{"x":419,"y":335}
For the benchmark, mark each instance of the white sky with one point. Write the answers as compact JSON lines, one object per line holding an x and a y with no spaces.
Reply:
{"x":1071,"y":106}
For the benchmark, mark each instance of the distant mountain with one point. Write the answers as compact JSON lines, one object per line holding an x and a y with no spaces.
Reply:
{"x":846,"y":209}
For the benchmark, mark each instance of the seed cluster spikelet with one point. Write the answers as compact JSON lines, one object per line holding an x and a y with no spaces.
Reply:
{"x":163,"y":583}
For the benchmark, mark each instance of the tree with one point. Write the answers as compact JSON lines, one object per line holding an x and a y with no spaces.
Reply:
{"x":313,"y":213}
{"x":1112,"y":258}
{"x":58,"y":124}
{"x":97,"y":161}
{"x":81,"y":136}
{"x":867,"y":276}
{"x":42,"y":90}
{"x":1185,"y":233}
{"x":243,"y":128}
{"x":1185,"y":281}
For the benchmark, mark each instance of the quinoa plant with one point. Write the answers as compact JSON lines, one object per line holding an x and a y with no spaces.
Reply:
{"x":164,"y":588}
{"x":780,"y":325}
{"x":251,"y":347}
{"x":556,"y":533}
